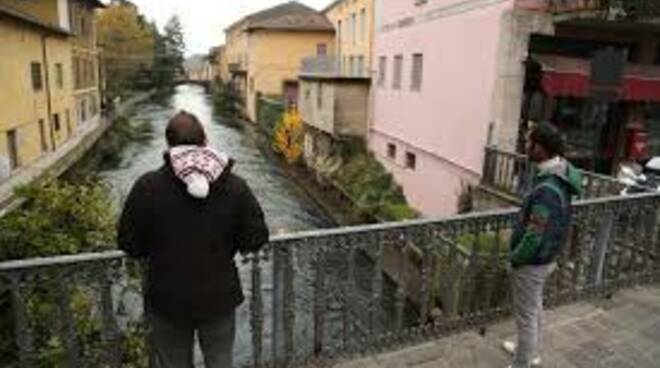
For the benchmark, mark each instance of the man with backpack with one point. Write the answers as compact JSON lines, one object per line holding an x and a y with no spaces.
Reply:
{"x":538,"y":236}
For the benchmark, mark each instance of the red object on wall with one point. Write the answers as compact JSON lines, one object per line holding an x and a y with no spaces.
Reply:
{"x":637,"y":144}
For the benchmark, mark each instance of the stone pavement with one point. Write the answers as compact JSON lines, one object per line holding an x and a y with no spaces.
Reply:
{"x":623,"y":332}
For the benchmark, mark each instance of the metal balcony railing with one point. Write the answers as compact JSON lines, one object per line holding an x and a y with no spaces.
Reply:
{"x":609,"y":9}
{"x":322,"y":294}
{"x":332,"y":67}
{"x":512,"y":173}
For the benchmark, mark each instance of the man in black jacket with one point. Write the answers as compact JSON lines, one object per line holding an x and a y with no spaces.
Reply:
{"x":188,"y":220}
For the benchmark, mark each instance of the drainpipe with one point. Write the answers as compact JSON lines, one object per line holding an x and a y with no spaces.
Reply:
{"x":48,"y":96}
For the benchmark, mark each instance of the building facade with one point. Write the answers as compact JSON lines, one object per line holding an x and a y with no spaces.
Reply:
{"x":354,"y":30}
{"x":85,"y":60}
{"x":452,"y":77}
{"x":256,"y":61}
{"x":37,"y":91}
{"x":335,"y":112}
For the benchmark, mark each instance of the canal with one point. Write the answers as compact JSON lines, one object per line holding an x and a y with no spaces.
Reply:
{"x":287,"y":208}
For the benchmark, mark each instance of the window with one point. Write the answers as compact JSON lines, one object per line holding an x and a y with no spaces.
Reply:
{"x":69,"y":128}
{"x":56,"y":122}
{"x":351,"y":66}
{"x":42,"y":135}
{"x":411,"y":160}
{"x":398,"y":70}
{"x":339,"y":36}
{"x":76,"y":72}
{"x":319,"y":95}
{"x":321,"y":49}
{"x":360,"y":66}
{"x":308,"y":93}
{"x":251,"y":83}
{"x":92,"y":106}
{"x":83,"y":111}
{"x":391,"y":151}
{"x":354,"y":27}
{"x":92,"y":72}
{"x":59,"y":75}
{"x":363,"y":24}
{"x":12,"y":149}
{"x":37,"y":82}
{"x":417,"y":71}
{"x":382,"y":70}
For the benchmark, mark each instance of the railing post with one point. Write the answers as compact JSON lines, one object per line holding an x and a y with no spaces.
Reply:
{"x":277,"y":299}
{"x":428,"y":267}
{"x":66,"y":322}
{"x":22,"y":333}
{"x":601,"y":248}
{"x":376,"y":288}
{"x":319,"y":299}
{"x":283,"y":304}
{"x":400,"y":302}
{"x":289,"y":312}
{"x":256,"y":310}
{"x":110,"y":333}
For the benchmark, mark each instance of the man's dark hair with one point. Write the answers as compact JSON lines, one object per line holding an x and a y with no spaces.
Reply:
{"x":549,"y":137}
{"x":185,"y":129}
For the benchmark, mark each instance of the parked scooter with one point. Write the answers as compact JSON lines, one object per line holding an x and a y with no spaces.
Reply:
{"x":640,"y":177}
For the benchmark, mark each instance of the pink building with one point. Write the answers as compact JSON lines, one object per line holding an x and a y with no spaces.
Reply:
{"x":449,"y":79}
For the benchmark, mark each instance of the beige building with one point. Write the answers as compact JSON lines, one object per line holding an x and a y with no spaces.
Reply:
{"x":265,"y":49}
{"x":354,"y":25}
{"x":335,"y":111}
{"x":36,"y":93}
{"x":85,"y":59}
{"x":38,"y":110}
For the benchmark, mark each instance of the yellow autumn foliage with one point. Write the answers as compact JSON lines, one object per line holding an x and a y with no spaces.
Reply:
{"x":288,"y":139}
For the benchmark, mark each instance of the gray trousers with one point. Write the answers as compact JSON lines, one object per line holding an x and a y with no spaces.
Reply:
{"x":527,"y":288}
{"x":173,"y":343}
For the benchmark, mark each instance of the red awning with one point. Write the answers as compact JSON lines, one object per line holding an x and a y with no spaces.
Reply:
{"x":570,"y":78}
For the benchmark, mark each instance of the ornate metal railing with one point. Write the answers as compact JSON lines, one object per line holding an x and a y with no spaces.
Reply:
{"x":511,"y":174}
{"x":603,"y":9}
{"x":323,"y":294}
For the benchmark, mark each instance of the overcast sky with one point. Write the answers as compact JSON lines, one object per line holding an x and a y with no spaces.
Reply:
{"x":204,"y":21}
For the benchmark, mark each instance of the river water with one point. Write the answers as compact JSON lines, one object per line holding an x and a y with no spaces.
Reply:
{"x":286,"y":207}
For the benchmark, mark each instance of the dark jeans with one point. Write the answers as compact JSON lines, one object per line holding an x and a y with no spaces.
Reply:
{"x":173,"y":343}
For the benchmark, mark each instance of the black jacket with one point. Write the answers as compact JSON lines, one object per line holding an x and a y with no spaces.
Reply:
{"x":190,"y":243}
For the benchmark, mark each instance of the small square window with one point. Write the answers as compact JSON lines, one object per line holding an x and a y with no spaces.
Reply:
{"x":391,"y":151}
{"x":411,"y":160}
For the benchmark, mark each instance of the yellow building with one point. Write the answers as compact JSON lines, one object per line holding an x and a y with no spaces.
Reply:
{"x":36,"y":94}
{"x":218,"y":60}
{"x":265,"y":50}
{"x":85,"y":59}
{"x":354,"y":24}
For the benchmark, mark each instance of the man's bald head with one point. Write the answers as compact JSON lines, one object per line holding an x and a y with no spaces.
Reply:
{"x":184,"y":129}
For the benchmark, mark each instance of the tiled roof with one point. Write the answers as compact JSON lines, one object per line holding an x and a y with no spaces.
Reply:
{"x":292,"y":16}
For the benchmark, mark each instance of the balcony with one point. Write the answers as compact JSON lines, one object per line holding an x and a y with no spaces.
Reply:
{"x":237,"y":68}
{"x":600,"y":9}
{"x":318,"y":295}
{"x":331,"y":67}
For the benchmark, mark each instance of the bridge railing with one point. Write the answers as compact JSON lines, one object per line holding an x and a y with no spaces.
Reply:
{"x":511,"y":173}
{"x":331,"y":293}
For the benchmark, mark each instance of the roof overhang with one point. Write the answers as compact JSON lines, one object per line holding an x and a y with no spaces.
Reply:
{"x":9,"y":12}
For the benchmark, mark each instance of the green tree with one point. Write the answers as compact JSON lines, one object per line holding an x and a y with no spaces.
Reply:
{"x":128,"y":47}
{"x":169,"y":55}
